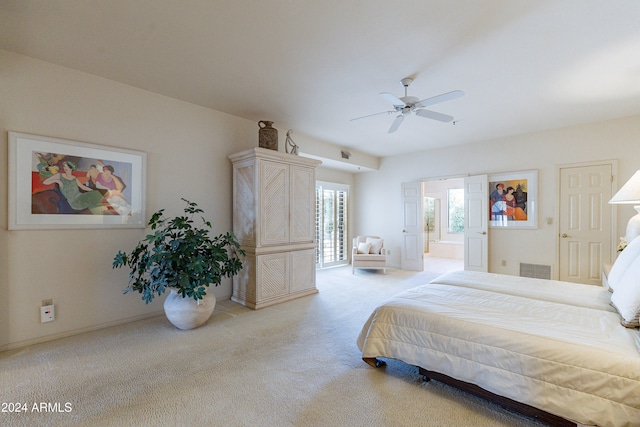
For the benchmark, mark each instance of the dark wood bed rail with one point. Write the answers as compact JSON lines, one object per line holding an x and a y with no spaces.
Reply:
{"x":505,"y":402}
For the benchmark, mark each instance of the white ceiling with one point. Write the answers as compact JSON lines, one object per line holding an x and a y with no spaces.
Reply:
{"x":525,"y":65}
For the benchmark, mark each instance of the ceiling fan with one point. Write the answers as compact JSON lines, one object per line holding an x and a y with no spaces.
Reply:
{"x":411,"y":104}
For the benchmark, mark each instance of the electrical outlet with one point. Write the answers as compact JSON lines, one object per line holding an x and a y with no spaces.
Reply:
{"x":504,"y":262}
{"x":47,"y":313}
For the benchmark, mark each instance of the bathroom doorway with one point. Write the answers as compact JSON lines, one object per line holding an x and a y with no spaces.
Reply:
{"x":444,"y":223}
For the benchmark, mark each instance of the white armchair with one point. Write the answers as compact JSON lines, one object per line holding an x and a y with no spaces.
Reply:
{"x":368,"y":252}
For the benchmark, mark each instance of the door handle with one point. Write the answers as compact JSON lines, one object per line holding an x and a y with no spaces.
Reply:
{"x":565,"y":235}
{"x":482,"y":232}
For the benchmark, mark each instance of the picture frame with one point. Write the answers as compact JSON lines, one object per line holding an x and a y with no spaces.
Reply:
{"x":513,"y":199}
{"x":61,"y":184}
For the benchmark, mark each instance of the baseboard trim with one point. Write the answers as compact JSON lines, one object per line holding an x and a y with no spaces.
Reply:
{"x":25,"y":343}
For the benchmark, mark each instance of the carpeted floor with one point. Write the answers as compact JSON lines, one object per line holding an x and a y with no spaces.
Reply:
{"x":293,"y":364}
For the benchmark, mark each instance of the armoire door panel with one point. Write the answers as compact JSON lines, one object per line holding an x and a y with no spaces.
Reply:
{"x":273,"y":271}
{"x":274,"y":203}
{"x":302,"y":219}
{"x":303,"y":268}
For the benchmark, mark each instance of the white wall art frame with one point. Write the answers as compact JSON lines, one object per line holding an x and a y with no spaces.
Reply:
{"x":61,"y":184}
{"x":513,"y":199}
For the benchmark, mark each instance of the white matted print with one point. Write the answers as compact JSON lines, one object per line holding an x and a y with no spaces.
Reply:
{"x":55,"y":183}
{"x":512,"y":200}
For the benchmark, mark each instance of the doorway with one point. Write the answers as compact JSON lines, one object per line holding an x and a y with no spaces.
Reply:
{"x":443,"y":224}
{"x":469,"y":235}
{"x":331,"y":224}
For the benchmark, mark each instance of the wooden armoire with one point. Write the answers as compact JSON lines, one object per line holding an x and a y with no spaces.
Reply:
{"x":274,"y":206}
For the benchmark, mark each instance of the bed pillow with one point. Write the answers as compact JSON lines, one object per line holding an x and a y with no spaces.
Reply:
{"x":363,"y":248}
{"x":376,"y":245}
{"x":626,"y":296}
{"x":622,"y":263}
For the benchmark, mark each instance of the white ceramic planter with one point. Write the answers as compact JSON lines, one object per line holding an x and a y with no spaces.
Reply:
{"x":187,"y":313}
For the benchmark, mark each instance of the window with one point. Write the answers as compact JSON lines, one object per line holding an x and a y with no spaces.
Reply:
{"x":455,"y":203}
{"x":331,"y":224}
{"x":431,"y":221}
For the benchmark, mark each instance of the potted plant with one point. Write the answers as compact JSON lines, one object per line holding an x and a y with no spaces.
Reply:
{"x":183,"y":258}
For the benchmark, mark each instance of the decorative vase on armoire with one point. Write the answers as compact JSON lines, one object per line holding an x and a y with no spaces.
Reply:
{"x":267,"y":135}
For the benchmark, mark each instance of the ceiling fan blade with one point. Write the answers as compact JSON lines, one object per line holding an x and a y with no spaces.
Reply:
{"x":396,"y":123}
{"x":441,"y":98}
{"x":428,"y":114}
{"x":392,"y":99}
{"x":371,"y":115}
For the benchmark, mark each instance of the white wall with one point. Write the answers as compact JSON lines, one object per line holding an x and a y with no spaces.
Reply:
{"x":187,"y":148}
{"x":378,"y":199}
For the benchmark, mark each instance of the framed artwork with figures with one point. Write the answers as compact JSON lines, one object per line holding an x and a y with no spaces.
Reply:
{"x":56,"y":183}
{"x":513,"y":199}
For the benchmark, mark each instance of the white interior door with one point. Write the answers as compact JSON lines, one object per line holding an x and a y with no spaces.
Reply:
{"x":412,"y":254}
{"x":476,"y":218}
{"x":585,"y":222}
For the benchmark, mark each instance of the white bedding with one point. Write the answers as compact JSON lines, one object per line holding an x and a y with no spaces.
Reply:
{"x":553,"y":345}
{"x":541,"y":289}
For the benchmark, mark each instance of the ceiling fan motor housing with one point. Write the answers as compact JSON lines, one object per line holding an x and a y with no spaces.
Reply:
{"x":409,"y":100}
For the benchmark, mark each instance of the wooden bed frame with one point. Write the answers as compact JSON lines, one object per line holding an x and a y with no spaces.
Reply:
{"x":505,"y":402}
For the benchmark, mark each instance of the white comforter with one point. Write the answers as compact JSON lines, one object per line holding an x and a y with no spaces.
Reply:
{"x":553,"y":345}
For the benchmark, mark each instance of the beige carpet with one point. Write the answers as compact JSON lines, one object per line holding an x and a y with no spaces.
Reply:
{"x":293,"y":364}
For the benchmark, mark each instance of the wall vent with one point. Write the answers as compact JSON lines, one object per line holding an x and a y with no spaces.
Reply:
{"x":536,"y":271}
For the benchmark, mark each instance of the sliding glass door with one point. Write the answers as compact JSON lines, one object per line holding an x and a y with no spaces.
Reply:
{"x":331,"y":224}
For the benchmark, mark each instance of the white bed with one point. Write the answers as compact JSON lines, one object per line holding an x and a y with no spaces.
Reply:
{"x":555,"y":346}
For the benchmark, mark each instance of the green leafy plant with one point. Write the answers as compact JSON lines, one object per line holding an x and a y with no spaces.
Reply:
{"x":180,"y":255}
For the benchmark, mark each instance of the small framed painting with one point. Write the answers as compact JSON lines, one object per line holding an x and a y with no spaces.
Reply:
{"x":512,"y":200}
{"x":55,"y":183}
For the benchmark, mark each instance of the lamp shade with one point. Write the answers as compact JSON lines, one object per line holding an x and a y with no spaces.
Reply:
{"x":629,"y":193}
